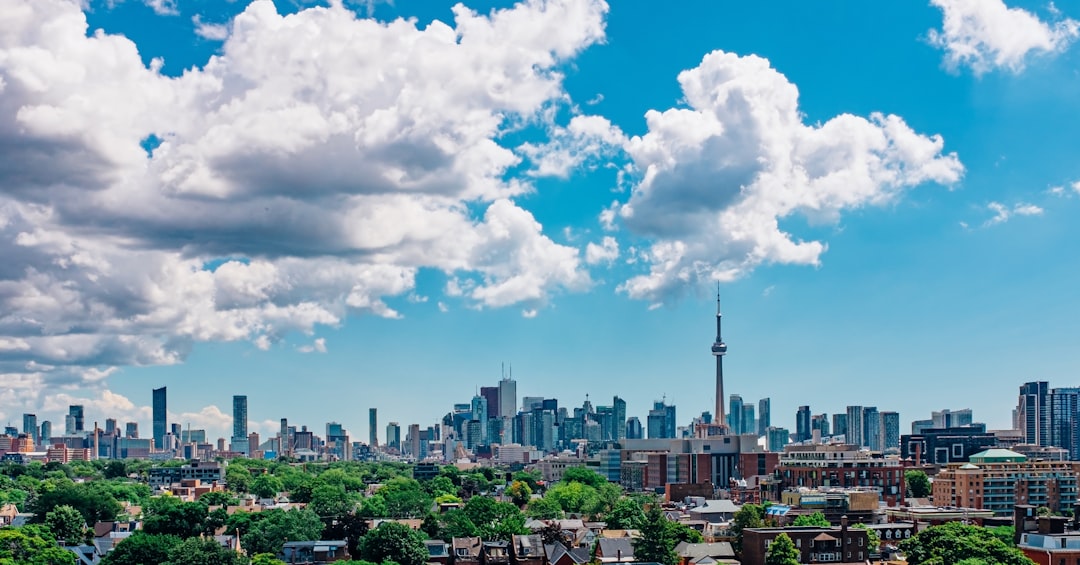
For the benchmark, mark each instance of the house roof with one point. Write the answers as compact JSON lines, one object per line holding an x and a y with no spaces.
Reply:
{"x":611,"y":547}
{"x":824,"y":537}
{"x":718,"y":550}
{"x":722,"y":506}
{"x":531,"y":541}
{"x":555,"y":552}
{"x":471,"y":544}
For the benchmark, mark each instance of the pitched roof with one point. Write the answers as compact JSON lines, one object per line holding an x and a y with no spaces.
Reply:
{"x":612,"y":547}
{"x":721,"y":549}
{"x":721,"y":506}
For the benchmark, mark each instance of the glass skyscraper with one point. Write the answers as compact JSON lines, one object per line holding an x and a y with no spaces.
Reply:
{"x":160,"y":427}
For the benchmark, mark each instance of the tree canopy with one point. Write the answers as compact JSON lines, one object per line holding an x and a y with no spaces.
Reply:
{"x":782,"y":552}
{"x":955,"y":542}
{"x":816,"y":519}
{"x":394,"y":542}
{"x":918,"y":484}
{"x":655,"y":543}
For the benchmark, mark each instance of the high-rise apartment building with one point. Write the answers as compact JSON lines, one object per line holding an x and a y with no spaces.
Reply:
{"x":661,"y":420}
{"x":618,"y":423}
{"x":820,"y":423}
{"x":491,"y":393}
{"x":1033,"y":411}
{"x":951,"y":418}
{"x":373,"y":427}
{"x":240,"y":425}
{"x":507,"y":398}
{"x":76,"y":412}
{"x":734,"y":415}
{"x":131,"y":430}
{"x":777,"y":438}
{"x":890,"y":431}
{"x":764,"y":416}
{"x":393,"y":436}
{"x":871,"y":428}
{"x":479,"y":409}
{"x":634,"y":429}
{"x":69,"y":425}
{"x":1065,"y":420}
{"x":749,"y":423}
{"x":30,"y":427}
{"x":110,"y":427}
{"x":161,"y":418}
{"x":802,"y":424}
{"x":854,"y":435}
{"x":839,"y":424}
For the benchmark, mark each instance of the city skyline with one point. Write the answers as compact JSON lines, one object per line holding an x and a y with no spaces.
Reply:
{"x":556,"y":184}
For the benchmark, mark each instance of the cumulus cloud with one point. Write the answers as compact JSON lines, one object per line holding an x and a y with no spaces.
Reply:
{"x":987,"y":35}
{"x":317,"y":346}
{"x":304,"y":174}
{"x":206,"y":30}
{"x":1003,"y":213}
{"x":606,"y":252}
{"x":716,"y":178}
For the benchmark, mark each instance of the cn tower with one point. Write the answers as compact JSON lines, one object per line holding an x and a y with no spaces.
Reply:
{"x":719,"y":349}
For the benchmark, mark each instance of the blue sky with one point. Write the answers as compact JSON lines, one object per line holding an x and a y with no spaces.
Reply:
{"x":349,"y":210}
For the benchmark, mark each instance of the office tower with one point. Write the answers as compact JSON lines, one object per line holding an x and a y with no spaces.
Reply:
{"x":284,"y":445}
{"x":661,"y":420}
{"x":530,"y":403}
{"x":839,"y":424}
{"x":46,"y":432}
{"x":802,"y":424}
{"x":414,"y":445}
{"x":479,"y":409}
{"x":393,"y":436}
{"x":749,"y":423}
{"x":69,"y":425}
{"x":854,"y":426}
{"x":373,"y":427}
{"x":777,"y":438}
{"x":110,"y":427}
{"x":764,"y":409}
{"x":618,"y":413}
{"x":11,"y":431}
{"x":160,"y":413}
{"x":820,"y":423}
{"x":919,"y":427}
{"x":1033,"y":411}
{"x":491,"y":393}
{"x":1064,"y":423}
{"x":719,"y":349}
{"x":240,"y":416}
{"x":193,"y":436}
{"x":174,"y":429}
{"x":871,"y":428}
{"x":131,"y":430}
{"x":890,"y":431}
{"x":76,"y":411}
{"x":633,"y":428}
{"x":30,"y":427}
{"x":951,"y":418}
{"x":734,"y":416}
{"x":508,"y":397}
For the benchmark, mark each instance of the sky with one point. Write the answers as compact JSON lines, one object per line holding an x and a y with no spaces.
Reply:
{"x":329,"y":207}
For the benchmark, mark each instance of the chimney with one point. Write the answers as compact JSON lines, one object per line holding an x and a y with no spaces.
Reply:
{"x":843,"y":527}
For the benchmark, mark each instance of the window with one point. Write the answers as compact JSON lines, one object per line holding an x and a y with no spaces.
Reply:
{"x":798,"y":542}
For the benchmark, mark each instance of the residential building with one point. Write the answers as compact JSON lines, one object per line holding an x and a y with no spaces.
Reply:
{"x":634,"y":429}
{"x":764,"y":416}
{"x":777,"y":438}
{"x":1033,"y":412}
{"x":661,"y":420}
{"x":30,"y":427}
{"x":890,"y":432}
{"x":854,"y":426}
{"x":46,"y":433}
{"x":839,"y":424}
{"x":802,"y":424}
{"x":618,"y":423}
{"x":820,"y":423}
{"x":160,"y":415}
{"x":998,"y":479}
{"x":951,"y":418}
{"x":131,"y":430}
{"x":734,"y":415}
{"x":816,"y":545}
{"x":240,"y":425}
{"x":842,"y":465}
{"x":1064,"y":420}
{"x":871,"y":437}
{"x":941,"y":446}
{"x":749,"y":423}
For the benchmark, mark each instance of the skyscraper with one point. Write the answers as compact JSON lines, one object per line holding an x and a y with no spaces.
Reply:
{"x":373,"y":427}
{"x":507,"y":397}
{"x":871,"y":428}
{"x":1033,"y":412}
{"x":1064,"y":420}
{"x":284,"y":445}
{"x":240,"y":424}
{"x":802,"y":424}
{"x":76,"y":411}
{"x":719,"y":349}
{"x":839,"y":424}
{"x":69,"y":425}
{"x":618,"y":413}
{"x":854,"y":426}
{"x":633,"y":428}
{"x":749,"y":423}
{"x":131,"y":430}
{"x":890,"y":431}
{"x":161,"y":418}
{"x":734,"y":417}
{"x":393,"y":436}
{"x":661,"y":421}
{"x":764,"y":409}
{"x":46,"y":432}
{"x":30,"y":427}
{"x":491,"y":393}
{"x":479,"y":415}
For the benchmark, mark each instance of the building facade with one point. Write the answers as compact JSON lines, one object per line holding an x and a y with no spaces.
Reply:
{"x":998,"y":479}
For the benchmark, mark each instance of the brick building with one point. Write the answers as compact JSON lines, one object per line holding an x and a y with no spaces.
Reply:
{"x":842,"y":465}
{"x":816,"y":545}
{"x":998,"y":479}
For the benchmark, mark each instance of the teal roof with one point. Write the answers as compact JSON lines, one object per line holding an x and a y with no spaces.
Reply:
{"x":998,"y":454}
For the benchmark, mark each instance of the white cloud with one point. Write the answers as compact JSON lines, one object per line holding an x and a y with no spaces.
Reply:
{"x":317,"y":346}
{"x":206,"y":30}
{"x":606,"y":252}
{"x":316,"y":165}
{"x":585,"y":139}
{"x":1003,"y":213}
{"x":1076,"y":186}
{"x":717,"y":178}
{"x":987,"y":35}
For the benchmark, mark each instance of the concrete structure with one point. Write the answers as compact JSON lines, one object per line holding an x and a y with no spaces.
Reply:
{"x":373,"y":427}
{"x":998,"y":479}
{"x":508,"y":397}
{"x":719,"y":349}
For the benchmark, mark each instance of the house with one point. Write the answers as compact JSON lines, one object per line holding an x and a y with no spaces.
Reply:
{"x":314,"y":552}
{"x":7,"y":514}
{"x":84,"y":554}
{"x":527,"y":550}
{"x":715,"y":511}
{"x":558,"y":554}
{"x":615,"y":550}
{"x":438,"y":551}
{"x":705,"y":553}
{"x":495,"y":552}
{"x":466,"y":550}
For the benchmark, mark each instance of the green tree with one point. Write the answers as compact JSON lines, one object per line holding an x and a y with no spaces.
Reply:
{"x":873,"y":540}
{"x":679,"y":532}
{"x":198,"y":551}
{"x":349,"y":527}
{"x":918,"y":484}
{"x":66,"y":524}
{"x":269,"y":559}
{"x":237,"y":477}
{"x":655,"y":543}
{"x":268,"y":533}
{"x":92,"y":499}
{"x":749,"y":516}
{"x":115,"y":470}
{"x":817,"y":519}
{"x":782,"y":552}
{"x":266,"y":486}
{"x":544,"y":509}
{"x":1005,"y":534}
{"x":141,"y":548}
{"x":627,"y":514}
{"x":183,"y":520}
{"x":573,"y":496}
{"x":954,"y":542}
{"x":394,"y":542}
{"x":331,"y":500}
{"x":457,"y":524}
{"x":217,"y":498}
{"x":31,"y":546}
{"x":405,"y":498}
{"x":441,"y":485}
{"x":519,"y":493}
{"x":373,"y":507}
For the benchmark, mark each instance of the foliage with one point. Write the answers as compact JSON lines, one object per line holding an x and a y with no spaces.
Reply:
{"x":115,"y":470}
{"x":585,"y":476}
{"x":348,"y":527}
{"x":679,"y":532}
{"x":217,"y":498}
{"x":66,"y":524}
{"x":573,"y":497}
{"x":198,"y":551}
{"x":519,"y":493}
{"x":141,"y":548}
{"x":441,"y":485}
{"x":457,"y":524}
{"x":817,"y":519}
{"x":1005,"y":533}
{"x":954,"y":542}
{"x":30,"y":546}
{"x":266,"y":486}
{"x":873,"y":540}
{"x":626,"y":514}
{"x":181,"y":519}
{"x":397,"y":542}
{"x":544,"y":509}
{"x":237,"y":477}
{"x":918,"y":484}
{"x":266,"y":559}
{"x":331,"y":500}
{"x":268,"y":532}
{"x":92,"y":499}
{"x":782,"y":552}
{"x":749,"y":516}
{"x":531,"y":478}
{"x":655,"y":543}
{"x":405,"y":498}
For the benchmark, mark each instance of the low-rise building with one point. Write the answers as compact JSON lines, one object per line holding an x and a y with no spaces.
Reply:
{"x":998,"y":479}
{"x":845,"y":466}
{"x":816,"y":545}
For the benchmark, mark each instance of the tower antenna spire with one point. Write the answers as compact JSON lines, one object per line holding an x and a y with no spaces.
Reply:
{"x":719,"y":349}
